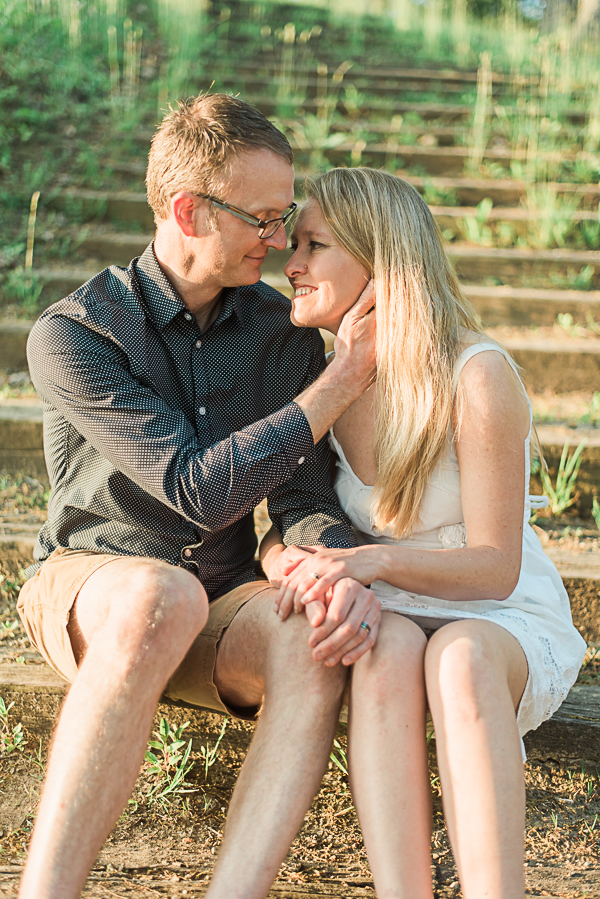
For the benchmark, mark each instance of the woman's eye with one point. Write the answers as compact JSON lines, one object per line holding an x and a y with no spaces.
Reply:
{"x":293,"y":247}
{"x":315,"y":245}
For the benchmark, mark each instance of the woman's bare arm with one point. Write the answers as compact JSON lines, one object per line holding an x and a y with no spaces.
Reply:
{"x":491,"y":456}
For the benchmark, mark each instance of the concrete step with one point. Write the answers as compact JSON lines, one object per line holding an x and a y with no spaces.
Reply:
{"x":270,"y":63}
{"x":127,"y":207}
{"x":473,"y":263}
{"x":572,"y":734}
{"x":21,"y":438}
{"x":436,"y":160}
{"x":443,"y":112}
{"x":367,"y":69}
{"x":21,"y":445}
{"x":497,"y":305}
{"x":374,"y":84}
{"x":560,"y":365}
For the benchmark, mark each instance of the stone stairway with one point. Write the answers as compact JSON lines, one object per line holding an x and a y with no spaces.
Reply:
{"x":514,"y":289}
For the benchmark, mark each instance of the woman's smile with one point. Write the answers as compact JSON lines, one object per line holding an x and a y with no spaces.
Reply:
{"x":326,"y":279}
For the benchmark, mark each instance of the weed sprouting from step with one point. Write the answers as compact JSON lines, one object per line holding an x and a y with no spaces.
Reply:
{"x":12,"y":738}
{"x":210,"y":755}
{"x":480,"y":128}
{"x":339,"y":757}
{"x":581,"y":280}
{"x":590,"y":671}
{"x":168,"y":756}
{"x":596,"y":512}
{"x":475,"y":227}
{"x":550,"y":215}
{"x":560,"y":493}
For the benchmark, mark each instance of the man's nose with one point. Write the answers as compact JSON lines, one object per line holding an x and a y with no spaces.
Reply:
{"x":278,"y":240}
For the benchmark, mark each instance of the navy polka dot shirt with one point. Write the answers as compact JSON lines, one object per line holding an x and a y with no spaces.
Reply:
{"x":160,"y":440}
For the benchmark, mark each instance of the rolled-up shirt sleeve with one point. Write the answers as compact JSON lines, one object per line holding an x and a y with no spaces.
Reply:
{"x":154,"y":444}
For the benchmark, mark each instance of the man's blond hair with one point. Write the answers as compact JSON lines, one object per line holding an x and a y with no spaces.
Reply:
{"x":195,"y":144}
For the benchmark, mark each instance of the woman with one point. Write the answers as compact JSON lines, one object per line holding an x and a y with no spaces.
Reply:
{"x":433,"y":472}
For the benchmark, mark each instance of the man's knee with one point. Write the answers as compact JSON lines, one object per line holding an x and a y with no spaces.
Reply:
{"x":166,"y":602}
{"x":394,"y":665}
{"x":149,"y":605}
{"x":290,"y":658}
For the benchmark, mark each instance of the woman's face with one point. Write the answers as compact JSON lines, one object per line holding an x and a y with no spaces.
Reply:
{"x":326,"y":279}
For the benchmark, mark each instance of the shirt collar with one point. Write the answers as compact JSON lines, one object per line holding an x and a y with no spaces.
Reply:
{"x":162,"y":300}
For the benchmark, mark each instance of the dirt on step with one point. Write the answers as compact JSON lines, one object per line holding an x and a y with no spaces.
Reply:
{"x":168,"y":848}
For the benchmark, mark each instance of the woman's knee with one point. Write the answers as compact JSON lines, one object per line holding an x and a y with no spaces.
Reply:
{"x":464,"y":669}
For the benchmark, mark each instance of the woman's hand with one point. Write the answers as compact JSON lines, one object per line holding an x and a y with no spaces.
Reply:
{"x":313,"y":578}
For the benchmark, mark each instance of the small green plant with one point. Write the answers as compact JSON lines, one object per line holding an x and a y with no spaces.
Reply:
{"x":564,"y":321}
{"x":475,"y":227}
{"x":550,"y":215}
{"x":341,"y":759}
{"x":438,"y":196}
{"x":596,"y":512}
{"x":593,"y":415}
{"x":169,"y":763}
{"x":10,"y":585}
{"x":313,"y":133}
{"x":560,"y":493}
{"x":590,"y":231}
{"x":12,"y":737}
{"x":480,"y":128}
{"x":209,"y":756}
{"x":581,"y":280}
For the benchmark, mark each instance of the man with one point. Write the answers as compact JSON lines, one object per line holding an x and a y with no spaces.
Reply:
{"x":168,"y":393}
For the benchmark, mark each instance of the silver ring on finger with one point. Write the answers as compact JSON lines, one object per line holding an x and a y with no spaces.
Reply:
{"x":315,"y":575}
{"x":366,"y":626}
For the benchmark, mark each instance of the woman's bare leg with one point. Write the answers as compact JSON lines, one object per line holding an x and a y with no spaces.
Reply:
{"x":389,"y":774}
{"x":476,"y":673}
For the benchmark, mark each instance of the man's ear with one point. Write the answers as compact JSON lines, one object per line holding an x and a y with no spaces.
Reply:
{"x":183,"y":207}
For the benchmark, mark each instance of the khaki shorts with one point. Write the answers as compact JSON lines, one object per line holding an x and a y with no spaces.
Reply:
{"x":45,"y":604}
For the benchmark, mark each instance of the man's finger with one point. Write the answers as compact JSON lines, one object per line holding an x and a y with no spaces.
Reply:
{"x":338,"y":611}
{"x":365,"y":608}
{"x":315,"y":613}
{"x":364,"y":303}
{"x":352,"y":655}
{"x":362,"y":641}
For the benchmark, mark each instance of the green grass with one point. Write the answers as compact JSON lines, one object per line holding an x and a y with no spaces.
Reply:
{"x":76,"y":88}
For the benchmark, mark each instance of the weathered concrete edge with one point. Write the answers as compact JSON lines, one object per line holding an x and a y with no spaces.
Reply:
{"x":572,"y":734}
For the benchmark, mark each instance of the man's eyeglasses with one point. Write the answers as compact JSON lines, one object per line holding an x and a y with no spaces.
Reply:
{"x":265,"y":229}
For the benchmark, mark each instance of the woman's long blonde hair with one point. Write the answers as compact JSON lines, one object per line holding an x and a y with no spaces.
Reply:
{"x":385,"y":224}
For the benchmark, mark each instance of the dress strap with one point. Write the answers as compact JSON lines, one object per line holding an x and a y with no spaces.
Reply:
{"x":483,"y":347}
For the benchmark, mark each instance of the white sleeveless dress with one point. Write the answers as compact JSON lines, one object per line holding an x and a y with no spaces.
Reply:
{"x":537,"y":613}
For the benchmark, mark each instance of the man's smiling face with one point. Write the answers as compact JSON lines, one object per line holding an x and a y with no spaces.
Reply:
{"x":261,"y":184}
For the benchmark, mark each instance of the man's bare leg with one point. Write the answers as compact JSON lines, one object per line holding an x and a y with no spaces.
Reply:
{"x":134,"y":620}
{"x":259,"y":654}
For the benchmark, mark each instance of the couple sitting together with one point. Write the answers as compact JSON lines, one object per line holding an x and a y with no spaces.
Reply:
{"x":177,"y":396}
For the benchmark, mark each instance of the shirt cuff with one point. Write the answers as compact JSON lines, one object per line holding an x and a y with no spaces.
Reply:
{"x":294,"y":433}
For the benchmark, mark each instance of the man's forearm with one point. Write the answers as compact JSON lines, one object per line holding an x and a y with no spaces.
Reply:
{"x":330,"y":395}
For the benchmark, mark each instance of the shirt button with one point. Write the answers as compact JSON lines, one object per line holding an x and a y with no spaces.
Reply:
{"x":202,"y":410}
{"x":301,"y":460}
{"x":198,"y":344}
{"x":187,"y":553}
{"x":187,"y":316}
